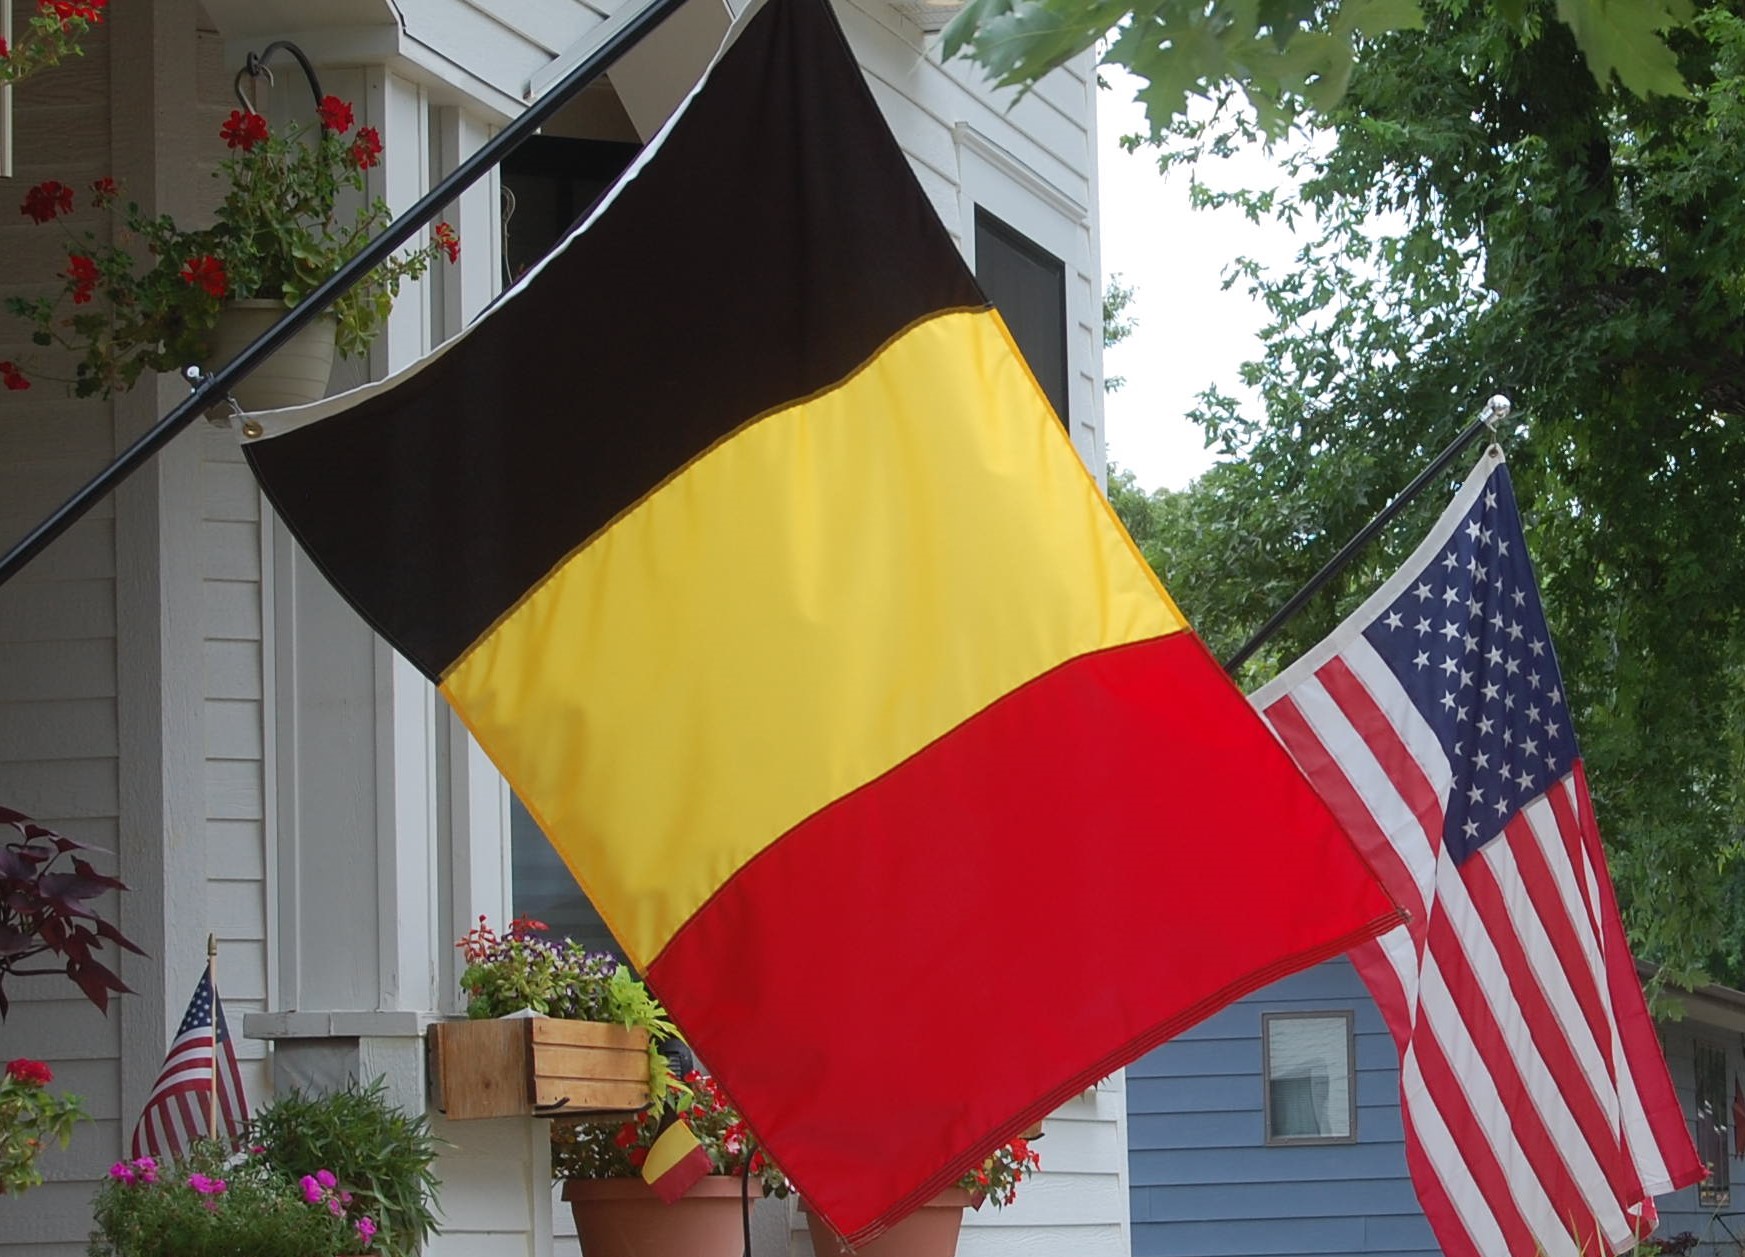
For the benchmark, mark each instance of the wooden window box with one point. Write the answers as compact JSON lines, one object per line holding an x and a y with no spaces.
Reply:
{"x":536,"y":1067}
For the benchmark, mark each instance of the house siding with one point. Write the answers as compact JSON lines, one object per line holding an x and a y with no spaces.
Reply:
{"x":1204,"y":1182}
{"x":1719,"y":1229}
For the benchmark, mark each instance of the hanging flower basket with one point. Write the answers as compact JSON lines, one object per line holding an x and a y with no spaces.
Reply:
{"x":297,"y":372}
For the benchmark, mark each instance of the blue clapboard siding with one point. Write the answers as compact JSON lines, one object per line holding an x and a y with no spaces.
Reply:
{"x":1204,"y":1183}
{"x":1716,"y":1227}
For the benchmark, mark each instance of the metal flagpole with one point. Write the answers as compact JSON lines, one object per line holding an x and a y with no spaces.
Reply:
{"x":212,"y":985}
{"x":1495,"y":411}
{"x":213,"y":388}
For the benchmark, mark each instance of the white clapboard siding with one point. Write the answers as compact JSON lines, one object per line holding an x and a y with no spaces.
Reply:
{"x":58,"y":729}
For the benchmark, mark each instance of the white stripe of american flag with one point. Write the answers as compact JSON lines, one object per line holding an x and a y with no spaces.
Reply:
{"x":1340,"y":737}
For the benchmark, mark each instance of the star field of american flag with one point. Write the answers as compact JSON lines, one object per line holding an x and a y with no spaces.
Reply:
{"x":1467,"y":641}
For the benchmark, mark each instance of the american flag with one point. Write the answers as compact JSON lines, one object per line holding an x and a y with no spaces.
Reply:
{"x":178,"y":1111}
{"x":1539,"y":1117}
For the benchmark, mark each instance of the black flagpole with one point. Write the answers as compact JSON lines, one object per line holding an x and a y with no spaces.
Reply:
{"x":215,"y":387}
{"x":1494,"y":412}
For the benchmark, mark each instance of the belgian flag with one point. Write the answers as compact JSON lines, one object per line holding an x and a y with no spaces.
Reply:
{"x":744,"y":541}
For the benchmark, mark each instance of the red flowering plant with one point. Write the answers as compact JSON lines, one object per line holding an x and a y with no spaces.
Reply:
{"x":30,"y":1118}
{"x":996,"y":1180}
{"x":583,"y":1149}
{"x":149,"y":299}
{"x":49,"y":35}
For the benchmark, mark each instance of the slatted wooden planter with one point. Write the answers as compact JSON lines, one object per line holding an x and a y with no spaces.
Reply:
{"x":536,"y":1067}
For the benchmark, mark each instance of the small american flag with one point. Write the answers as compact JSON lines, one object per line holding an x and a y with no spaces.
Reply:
{"x":1539,"y":1117}
{"x":178,"y":1111}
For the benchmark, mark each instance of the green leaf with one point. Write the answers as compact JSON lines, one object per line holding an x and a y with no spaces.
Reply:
{"x":1371,"y":18}
{"x":1622,"y":37}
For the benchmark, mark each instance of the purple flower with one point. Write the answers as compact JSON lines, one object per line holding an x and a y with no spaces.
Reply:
{"x":206,"y":1186}
{"x":311,"y":1189}
{"x":366,"y":1231}
{"x":146,"y":1168}
{"x":123,"y":1172}
{"x":325,"y":1178}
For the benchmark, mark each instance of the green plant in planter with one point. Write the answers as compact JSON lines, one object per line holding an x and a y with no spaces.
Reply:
{"x":378,"y":1154}
{"x":584,"y":1149}
{"x":518,"y":970}
{"x":219,"y":1204}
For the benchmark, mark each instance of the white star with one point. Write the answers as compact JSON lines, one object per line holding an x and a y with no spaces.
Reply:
{"x":1533,"y":679}
{"x":1476,"y":568}
{"x":1491,"y":691}
{"x":1490,"y":499}
{"x":1473,"y":530}
{"x":1451,"y":595}
{"x":1508,"y":705}
{"x":1474,"y":794}
{"x":1554,"y":695}
{"x":1529,"y":746}
{"x":1465,"y":678}
{"x":1474,"y":607}
{"x":1502,"y":806}
{"x":1423,"y":660}
{"x":1514,"y":632}
{"x":1462,"y":716}
{"x":1512,"y":666}
{"x":1488,"y":535}
{"x":1470,"y":829}
{"x":1470,"y":642}
{"x":1482,"y":759}
{"x":1422,"y":591}
{"x":1536,"y":646}
{"x":1393,"y":620}
{"x":1533,"y":713}
{"x":1503,"y":547}
{"x":1519,"y":597}
{"x":1551,"y":762}
{"x":1448,"y":702}
{"x":1494,"y":656}
{"x":1450,"y":666}
{"x":1508,"y":736}
{"x":1423,"y":626}
{"x":1452,"y":561}
{"x":1525,"y":780}
{"x":1485,"y":725}
{"x":1451,"y":630}
{"x":1551,"y":728}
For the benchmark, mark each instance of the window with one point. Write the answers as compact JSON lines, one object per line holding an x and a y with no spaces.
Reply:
{"x":541,"y":886}
{"x":1311,"y":1091}
{"x":1716,"y":1191}
{"x":1027,"y":285}
{"x":552,"y":182}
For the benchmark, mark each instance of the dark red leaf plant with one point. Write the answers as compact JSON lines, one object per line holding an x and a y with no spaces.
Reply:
{"x":46,"y":914}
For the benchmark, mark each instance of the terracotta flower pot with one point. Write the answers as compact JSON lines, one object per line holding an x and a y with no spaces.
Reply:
{"x":294,"y":376}
{"x":931,"y":1231}
{"x":622,"y":1217}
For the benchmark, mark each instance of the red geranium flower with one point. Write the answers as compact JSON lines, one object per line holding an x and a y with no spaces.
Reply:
{"x":448,"y":241}
{"x":47,"y":200}
{"x":4,"y":51}
{"x":12,"y":377}
{"x":83,"y":272}
{"x":366,"y":150}
{"x":335,"y":114}
{"x":243,"y":130}
{"x":207,"y":272}
{"x":29,"y":1071}
{"x":103,"y":191}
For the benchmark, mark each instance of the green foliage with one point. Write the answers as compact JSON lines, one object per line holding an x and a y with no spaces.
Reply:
{"x":1283,"y":56}
{"x":31,"y":1118}
{"x":1479,"y":216}
{"x":212,"y":1205}
{"x":47,"y":37}
{"x":1117,"y":323}
{"x":380,"y":1154}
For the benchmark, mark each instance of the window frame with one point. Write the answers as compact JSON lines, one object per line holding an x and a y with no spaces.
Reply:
{"x":1308,"y":1141}
{"x":1713,"y":1194}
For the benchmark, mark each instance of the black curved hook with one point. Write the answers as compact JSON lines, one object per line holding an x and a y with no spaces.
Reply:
{"x":256,"y":65}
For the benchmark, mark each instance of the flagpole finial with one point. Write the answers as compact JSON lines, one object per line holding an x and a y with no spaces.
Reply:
{"x":1496,"y":410}
{"x":211,"y":947}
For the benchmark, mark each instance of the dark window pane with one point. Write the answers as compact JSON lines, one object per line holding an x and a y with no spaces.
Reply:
{"x":553,"y":181}
{"x":544,"y":890}
{"x":1027,"y":285}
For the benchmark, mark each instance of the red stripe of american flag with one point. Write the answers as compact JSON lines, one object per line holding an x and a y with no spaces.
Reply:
{"x":1559,"y":1165}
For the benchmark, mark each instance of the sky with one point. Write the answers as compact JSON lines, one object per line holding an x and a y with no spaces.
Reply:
{"x":1190,"y":333}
